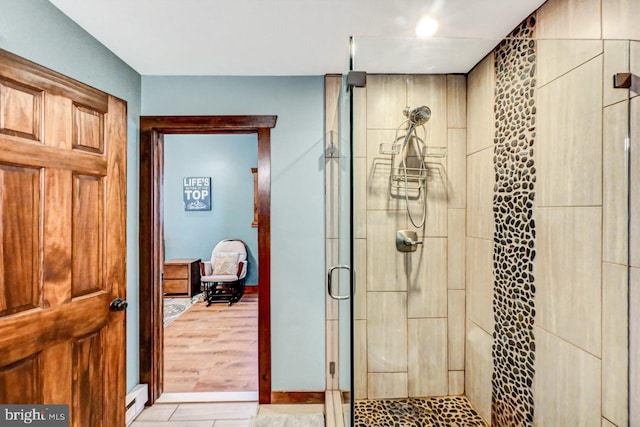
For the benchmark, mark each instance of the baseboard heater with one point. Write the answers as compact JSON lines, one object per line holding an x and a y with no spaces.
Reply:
{"x":135,"y":401}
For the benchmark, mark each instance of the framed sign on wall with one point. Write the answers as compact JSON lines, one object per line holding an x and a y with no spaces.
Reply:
{"x":196,"y":193}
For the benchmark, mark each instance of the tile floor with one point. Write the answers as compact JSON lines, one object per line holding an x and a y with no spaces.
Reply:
{"x":228,"y":414}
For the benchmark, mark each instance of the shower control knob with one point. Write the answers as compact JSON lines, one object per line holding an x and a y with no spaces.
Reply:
{"x":407,"y":240}
{"x":412,"y":242}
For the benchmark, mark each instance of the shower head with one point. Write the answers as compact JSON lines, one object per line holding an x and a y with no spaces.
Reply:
{"x":418,"y":115}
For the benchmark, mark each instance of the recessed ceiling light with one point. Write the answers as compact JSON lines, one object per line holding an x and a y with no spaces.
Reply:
{"x":427,"y":26}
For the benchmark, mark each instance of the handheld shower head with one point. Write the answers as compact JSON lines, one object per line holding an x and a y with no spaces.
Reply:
{"x":419,"y":115}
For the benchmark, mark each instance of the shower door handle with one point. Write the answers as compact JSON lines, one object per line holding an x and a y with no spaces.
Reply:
{"x":330,"y":285}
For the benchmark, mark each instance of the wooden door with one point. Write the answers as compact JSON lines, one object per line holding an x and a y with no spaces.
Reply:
{"x":62,"y":251}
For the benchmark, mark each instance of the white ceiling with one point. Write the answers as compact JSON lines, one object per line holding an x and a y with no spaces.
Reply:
{"x":295,"y":37}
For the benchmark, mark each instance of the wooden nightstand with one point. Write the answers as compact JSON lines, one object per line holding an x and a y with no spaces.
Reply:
{"x":181,"y":277}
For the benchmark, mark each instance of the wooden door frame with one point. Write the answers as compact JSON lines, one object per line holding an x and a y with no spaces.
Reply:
{"x":152,"y":131}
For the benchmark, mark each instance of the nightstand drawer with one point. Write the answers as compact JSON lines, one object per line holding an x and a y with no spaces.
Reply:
{"x":181,"y":277}
{"x":176,"y":286}
{"x":176,"y":271}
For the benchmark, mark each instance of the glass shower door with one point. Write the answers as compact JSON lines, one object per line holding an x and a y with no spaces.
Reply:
{"x":340,"y":278}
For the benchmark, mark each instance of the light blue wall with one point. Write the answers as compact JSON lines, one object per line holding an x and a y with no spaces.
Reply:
{"x":227,"y":160}
{"x":38,"y":31}
{"x":297,"y":205}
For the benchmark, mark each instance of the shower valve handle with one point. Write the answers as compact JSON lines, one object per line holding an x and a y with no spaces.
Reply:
{"x":407,"y":240}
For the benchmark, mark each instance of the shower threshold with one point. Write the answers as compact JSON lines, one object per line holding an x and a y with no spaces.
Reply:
{"x":417,"y":412}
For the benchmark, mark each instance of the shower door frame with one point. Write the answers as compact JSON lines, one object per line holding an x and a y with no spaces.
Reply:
{"x":338,"y":162}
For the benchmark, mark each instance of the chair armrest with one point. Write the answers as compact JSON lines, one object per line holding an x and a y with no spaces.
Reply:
{"x":242,"y":269}
{"x":206,"y":269}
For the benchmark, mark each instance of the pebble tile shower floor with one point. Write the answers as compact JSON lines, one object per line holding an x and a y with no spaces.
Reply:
{"x":455,"y":411}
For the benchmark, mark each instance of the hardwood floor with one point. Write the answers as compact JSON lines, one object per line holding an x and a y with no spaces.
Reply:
{"x":213,"y":348}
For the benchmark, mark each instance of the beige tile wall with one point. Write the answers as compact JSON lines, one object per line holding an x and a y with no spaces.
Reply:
{"x":569,"y":137}
{"x":386,"y":269}
{"x":581,"y":270}
{"x":456,"y":383}
{"x":480,"y":283}
{"x":634,"y":286}
{"x":427,"y":336}
{"x":386,"y":99}
{"x":431,"y":90}
{"x":615,"y":195}
{"x":607,"y":423}
{"x":616,"y":60}
{"x":480,"y":182}
{"x":619,"y":19}
{"x":569,"y":19}
{"x":387,"y":331}
{"x":615,"y":343}
{"x":568,"y":274}
{"x":387,"y":385}
{"x":634,"y":347}
{"x":410,"y":307}
{"x":360,"y":370}
{"x":634,"y":211}
{"x":481,"y":84}
{"x":456,"y":249}
{"x":567,"y":384}
{"x":478,"y":369}
{"x":379,"y":195}
{"x":559,"y":56}
{"x":456,"y":188}
{"x":580,"y":213}
{"x":427,"y":283}
{"x":456,"y":329}
{"x":479,"y":236}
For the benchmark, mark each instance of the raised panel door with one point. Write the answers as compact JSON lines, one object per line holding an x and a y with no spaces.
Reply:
{"x":62,"y":244}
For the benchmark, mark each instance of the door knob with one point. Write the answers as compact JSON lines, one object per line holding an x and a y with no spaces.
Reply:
{"x":118,"y":304}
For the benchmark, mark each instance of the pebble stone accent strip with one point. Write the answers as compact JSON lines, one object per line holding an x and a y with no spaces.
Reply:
{"x":514,"y":238}
{"x":454,"y":411}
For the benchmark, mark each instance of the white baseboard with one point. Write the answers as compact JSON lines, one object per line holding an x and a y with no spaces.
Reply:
{"x":135,"y":401}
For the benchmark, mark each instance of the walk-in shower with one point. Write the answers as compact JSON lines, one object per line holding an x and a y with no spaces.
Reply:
{"x":520,"y":271}
{"x":409,"y":316}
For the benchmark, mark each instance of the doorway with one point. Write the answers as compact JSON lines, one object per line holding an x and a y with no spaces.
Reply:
{"x":210,"y":347}
{"x":152,"y":131}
